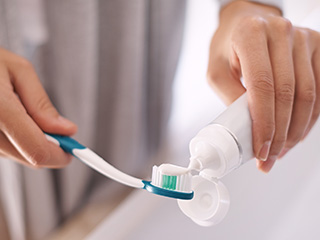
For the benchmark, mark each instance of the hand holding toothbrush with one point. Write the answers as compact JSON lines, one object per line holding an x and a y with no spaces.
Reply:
{"x":26,"y":112}
{"x":280,"y":67}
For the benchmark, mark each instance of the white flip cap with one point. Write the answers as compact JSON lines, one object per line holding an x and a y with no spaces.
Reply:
{"x":210,"y":203}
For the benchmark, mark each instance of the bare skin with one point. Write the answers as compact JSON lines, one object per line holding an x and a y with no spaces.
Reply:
{"x":278,"y":64}
{"x":26,"y":112}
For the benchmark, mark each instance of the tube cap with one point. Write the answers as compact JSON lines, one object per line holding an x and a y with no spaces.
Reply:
{"x":210,"y":203}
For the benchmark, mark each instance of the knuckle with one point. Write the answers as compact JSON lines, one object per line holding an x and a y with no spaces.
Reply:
{"x":39,"y":157}
{"x":250,"y":25}
{"x":44,"y":104}
{"x":263,"y":82}
{"x":307,"y":96}
{"x":301,"y":35}
{"x":285,"y":93}
{"x":280,"y":139}
{"x":282,"y":25}
{"x":306,"y":36}
{"x":267,"y":128}
{"x":254,"y":23}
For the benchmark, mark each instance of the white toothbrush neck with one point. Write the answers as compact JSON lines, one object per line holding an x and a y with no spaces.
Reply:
{"x":99,"y":164}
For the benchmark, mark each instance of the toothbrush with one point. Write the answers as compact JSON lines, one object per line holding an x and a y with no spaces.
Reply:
{"x":219,"y":148}
{"x":168,"y":180}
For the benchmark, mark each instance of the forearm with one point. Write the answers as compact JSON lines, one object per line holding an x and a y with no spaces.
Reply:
{"x":235,"y":10}
{"x":273,"y":3}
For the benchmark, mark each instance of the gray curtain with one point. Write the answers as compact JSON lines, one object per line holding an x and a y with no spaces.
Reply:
{"x":107,"y":65}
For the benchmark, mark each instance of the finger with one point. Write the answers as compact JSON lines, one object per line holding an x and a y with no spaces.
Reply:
{"x":280,"y":50}
{"x":256,"y":68}
{"x":224,"y":78}
{"x":27,"y":137}
{"x":305,"y":93}
{"x":35,"y":99}
{"x":9,"y":151}
{"x":316,"y":107}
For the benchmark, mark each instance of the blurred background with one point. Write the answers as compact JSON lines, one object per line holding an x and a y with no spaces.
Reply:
{"x":280,"y":205}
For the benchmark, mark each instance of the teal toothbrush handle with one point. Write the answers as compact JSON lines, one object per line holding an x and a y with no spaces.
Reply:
{"x":68,"y":144}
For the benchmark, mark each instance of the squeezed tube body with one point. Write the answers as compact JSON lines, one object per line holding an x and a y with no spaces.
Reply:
{"x":224,"y":144}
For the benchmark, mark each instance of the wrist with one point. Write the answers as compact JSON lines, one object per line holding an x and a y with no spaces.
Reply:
{"x":240,"y":8}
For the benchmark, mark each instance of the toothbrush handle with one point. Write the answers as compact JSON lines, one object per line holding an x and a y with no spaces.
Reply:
{"x":68,"y":144}
{"x":94,"y":161}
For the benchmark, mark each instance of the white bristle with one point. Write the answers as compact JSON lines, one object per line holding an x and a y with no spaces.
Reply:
{"x":188,"y":183}
{"x":154,"y":173}
{"x":181,"y":180}
{"x":159,"y":179}
{"x":183,"y":176}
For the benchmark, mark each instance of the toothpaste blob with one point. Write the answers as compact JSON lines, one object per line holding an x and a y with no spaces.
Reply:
{"x":171,"y":177}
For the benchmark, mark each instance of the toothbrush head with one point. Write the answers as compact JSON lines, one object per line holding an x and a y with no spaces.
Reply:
{"x":170,"y":181}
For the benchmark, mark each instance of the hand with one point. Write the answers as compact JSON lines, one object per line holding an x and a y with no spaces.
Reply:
{"x":26,"y":112}
{"x":280,"y":67}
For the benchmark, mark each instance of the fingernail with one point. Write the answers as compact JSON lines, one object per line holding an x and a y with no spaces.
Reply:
{"x":259,"y":163}
{"x":266,"y":166}
{"x":283,"y":152}
{"x":264,"y":151}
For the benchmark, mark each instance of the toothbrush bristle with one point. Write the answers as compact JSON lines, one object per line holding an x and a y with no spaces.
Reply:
{"x":180,"y":182}
{"x":169,"y":182}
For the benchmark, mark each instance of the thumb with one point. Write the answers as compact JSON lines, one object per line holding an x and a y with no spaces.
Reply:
{"x":224,"y":81}
{"x":36,"y":101}
{"x":223,"y":76}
